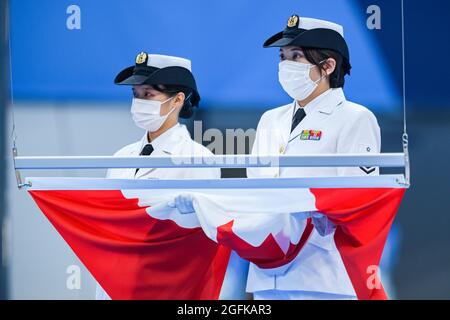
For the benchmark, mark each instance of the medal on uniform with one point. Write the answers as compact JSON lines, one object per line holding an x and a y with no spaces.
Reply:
{"x":314,"y":135}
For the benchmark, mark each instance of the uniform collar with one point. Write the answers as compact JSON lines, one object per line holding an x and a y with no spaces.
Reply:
{"x":168,"y":141}
{"x":325,"y":103}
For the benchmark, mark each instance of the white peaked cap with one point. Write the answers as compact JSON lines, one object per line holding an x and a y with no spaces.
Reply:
{"x":311,"y":23}
{"x":162,"y":61}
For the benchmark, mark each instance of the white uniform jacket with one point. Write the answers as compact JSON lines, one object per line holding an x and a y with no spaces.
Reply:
{"x":331,"y":125}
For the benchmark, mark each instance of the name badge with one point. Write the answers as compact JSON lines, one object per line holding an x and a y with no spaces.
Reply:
{"x":314,"y":135}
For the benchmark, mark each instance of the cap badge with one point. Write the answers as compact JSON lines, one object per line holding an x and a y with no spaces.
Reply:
{"x":293,"y":21}
{"x":141,"y":58}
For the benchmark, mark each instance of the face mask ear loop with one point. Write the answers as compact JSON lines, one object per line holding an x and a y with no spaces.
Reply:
{"x":185,"y":99}
{"x":171,"y":109}
{"x":188,"y":97}
{"x":167,"y":100}
{"x":318,"y":66}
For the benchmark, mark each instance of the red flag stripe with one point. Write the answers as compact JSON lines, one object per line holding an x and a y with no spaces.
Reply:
{"x":132,"y":255}
{"x":363,"y":218}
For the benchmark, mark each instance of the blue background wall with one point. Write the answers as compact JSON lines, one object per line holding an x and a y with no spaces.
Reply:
{"x":223,"y":39}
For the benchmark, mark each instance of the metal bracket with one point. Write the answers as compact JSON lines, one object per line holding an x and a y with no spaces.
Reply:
{"x":405,"y":141}
{"x":20,"y":183}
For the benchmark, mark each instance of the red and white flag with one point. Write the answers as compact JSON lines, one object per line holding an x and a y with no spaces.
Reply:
{"x":138,"y":247}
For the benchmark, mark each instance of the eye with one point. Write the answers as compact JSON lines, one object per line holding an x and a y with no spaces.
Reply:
{"x":282,"y":57}
{"x":297,"y":55}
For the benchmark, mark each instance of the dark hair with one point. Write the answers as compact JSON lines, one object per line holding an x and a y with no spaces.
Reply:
{"x":187,"y":110}
{"x":317,"y":57}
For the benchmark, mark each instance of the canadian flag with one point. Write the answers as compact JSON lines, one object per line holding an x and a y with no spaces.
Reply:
{"x":137,"y":246}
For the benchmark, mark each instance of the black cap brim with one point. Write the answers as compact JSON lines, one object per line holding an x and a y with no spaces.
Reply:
{"x":133,"y":76}
{"x":133,"y":80}
{"x":280,"y":43}
{"x":280,"y":40}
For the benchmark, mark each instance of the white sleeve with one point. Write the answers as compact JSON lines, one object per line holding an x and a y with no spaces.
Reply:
{"x":253,"y":172}
{"x":261,"y":146}
{"x":362,"y":135}
{"x":111,"y":172}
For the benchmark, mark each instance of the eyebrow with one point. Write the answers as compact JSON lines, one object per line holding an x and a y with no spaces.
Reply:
{"x":292,"y":49}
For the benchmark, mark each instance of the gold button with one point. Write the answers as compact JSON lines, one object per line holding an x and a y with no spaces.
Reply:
{"x":281,"y":150}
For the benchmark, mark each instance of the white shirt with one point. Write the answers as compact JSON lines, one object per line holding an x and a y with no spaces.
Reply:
{"x":339,"y":126}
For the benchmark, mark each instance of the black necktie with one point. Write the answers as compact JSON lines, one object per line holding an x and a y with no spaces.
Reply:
{"x":298,"y":117}
{"x":146,"y":151}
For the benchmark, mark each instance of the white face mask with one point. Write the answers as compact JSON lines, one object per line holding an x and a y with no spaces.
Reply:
{"x":146,"y":113}
{"x":295,"y":80}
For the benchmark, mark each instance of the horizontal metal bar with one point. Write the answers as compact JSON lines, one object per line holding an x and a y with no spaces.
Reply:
{"x":58,"y":183}
{"x":216,"y":161}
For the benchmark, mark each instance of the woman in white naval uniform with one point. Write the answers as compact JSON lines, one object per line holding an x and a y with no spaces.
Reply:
{"x":164,"y":89}
{"x":314,"y":60}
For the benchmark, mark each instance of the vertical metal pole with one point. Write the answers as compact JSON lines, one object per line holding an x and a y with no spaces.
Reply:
{"x":4,"y":100}
{"x":405,"y":139}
